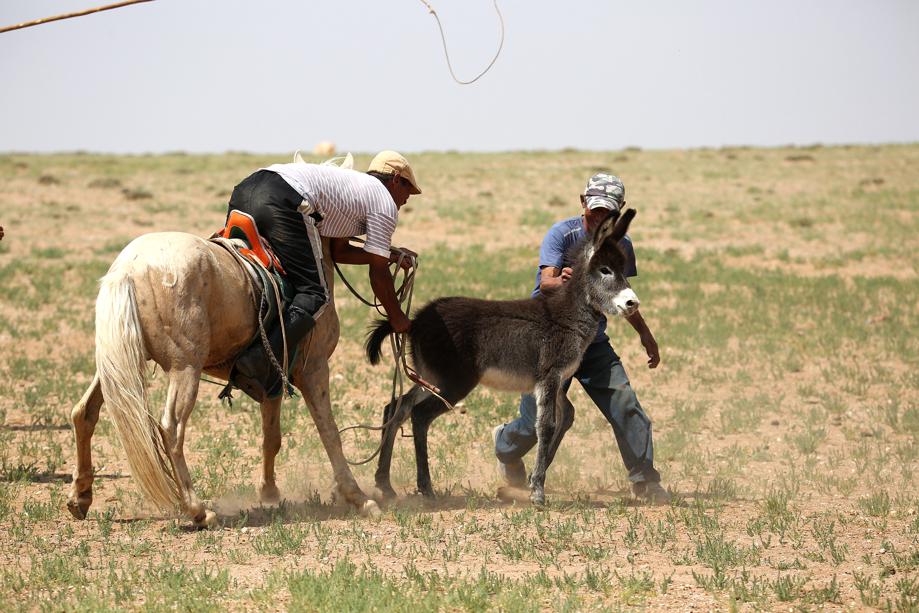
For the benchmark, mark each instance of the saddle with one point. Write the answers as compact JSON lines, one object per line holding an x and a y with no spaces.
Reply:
{"x":273,"y":291}
{"x":241,"y":226}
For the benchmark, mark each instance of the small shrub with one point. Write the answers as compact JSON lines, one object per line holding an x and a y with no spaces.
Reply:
{"x":106,"y":183}
{"x":137,"y":193}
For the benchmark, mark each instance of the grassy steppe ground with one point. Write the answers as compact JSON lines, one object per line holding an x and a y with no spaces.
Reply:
{"x":782,"y":287}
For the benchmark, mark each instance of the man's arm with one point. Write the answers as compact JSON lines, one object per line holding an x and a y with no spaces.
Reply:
{"x":382,"y":283}
{"x":551,"y":278}
{"x":343,"y":252}
{"x":647,"y":339}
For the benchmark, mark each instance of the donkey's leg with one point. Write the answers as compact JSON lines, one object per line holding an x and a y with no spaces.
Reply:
{"x":564,"y":419}
{"x":84,"y":417}
{"x":546,"y":394}
{"x":314,"y":385}
{"x":271,"y":444}
{"x":422,"y":416}
{"x":388,"y":437}
{"x":180,"y":400}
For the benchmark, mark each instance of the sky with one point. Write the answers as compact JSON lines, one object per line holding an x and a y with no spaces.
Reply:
{"x":280,"y":75}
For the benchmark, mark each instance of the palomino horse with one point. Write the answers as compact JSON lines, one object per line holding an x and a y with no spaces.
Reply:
{"x":186,"y":303}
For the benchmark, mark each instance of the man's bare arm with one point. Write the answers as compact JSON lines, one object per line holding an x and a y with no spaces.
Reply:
{"x":551,"y":278}
{"x":344,"y":252}
{"x":382,"y":283}
{"x":647,"y":339}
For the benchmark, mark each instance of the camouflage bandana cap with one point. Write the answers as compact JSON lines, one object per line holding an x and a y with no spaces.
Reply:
{"x":604,"y":191}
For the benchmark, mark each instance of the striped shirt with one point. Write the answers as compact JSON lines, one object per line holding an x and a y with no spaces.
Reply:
{"x":351,"y":203}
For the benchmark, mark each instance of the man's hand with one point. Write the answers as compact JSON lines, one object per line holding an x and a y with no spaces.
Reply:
{"x":650,"y":345}
{"x":407,"y":261}
{"x":565,"y":274}
{"x":399,"y":322}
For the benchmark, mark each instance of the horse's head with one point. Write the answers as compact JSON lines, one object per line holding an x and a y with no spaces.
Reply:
{"x":607,"y":286}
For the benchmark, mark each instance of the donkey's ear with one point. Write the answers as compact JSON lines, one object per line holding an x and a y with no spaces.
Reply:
{"x":605,"y":230}
{"x":622,"y":225}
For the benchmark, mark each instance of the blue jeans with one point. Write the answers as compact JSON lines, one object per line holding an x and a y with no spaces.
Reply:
{"x":603,"y":378}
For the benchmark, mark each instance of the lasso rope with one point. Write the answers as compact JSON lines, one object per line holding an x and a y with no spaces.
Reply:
{"x":38,"y":22}
{"x":427,"y":5}
{"x":443,"y":39}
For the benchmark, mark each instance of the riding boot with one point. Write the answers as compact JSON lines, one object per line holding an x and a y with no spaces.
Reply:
{"x":253,"y":372}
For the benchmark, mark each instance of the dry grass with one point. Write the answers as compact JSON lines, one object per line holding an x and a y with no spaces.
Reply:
{"x":781,"y":284}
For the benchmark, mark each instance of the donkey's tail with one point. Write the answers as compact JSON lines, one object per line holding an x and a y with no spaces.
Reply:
{"x":378,"y":333}
{"x":121,"y":363}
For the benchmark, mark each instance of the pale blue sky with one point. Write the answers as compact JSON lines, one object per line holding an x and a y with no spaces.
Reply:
{"x":279,"y":75}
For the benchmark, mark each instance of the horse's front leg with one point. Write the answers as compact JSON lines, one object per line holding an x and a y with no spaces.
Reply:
{"x":271,"y":444}
{"x":84,"y":417}
{"x":546,"y":394}
{"x":314,"y":385}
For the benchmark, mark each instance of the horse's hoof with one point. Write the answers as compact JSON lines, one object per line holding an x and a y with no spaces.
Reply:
{"x":427,"y":492}
{"x":269,"y":494}
{"x":371,"y":510}
{"x":78,"y":508}
{"x":538,"y":497}
{"x":206,"y":521}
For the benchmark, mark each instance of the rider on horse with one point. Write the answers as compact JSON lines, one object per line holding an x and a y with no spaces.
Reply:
{"x":287,"y":201}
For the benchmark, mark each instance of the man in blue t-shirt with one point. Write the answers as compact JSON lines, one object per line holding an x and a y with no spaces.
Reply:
{"x":601,"y":373}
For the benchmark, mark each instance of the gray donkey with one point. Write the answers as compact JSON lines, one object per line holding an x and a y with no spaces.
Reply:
{"x":531,"y":345}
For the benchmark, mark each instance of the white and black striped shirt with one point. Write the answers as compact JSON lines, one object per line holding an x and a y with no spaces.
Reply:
{"x":351,"y":203}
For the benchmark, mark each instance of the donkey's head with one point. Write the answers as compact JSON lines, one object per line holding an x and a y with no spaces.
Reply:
{"x":607,"y":287}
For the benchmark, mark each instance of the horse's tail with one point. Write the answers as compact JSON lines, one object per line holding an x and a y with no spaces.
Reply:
{"x":378,"y":333}
{"x":121,"y":364}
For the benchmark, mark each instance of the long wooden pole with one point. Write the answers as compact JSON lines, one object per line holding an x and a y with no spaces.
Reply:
{"x":37,"y":22}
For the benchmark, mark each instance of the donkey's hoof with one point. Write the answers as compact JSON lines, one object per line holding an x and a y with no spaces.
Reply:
{"x":371,"y":509}
{"x":383,"y":492}
{"x":269,"y":494}
{"x":80,"y":507}
{"x":538,"y":497}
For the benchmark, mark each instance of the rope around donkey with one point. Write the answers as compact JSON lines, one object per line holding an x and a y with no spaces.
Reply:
{"x":398,"y":344}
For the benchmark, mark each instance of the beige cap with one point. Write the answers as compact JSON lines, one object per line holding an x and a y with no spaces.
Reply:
{"x":390,"y":162}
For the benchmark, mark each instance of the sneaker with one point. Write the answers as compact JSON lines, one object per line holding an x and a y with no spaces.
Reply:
{"x":515,"y":474}
{"x":651,"y":492}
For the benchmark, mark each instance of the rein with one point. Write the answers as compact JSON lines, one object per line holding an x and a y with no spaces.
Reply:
{"x":397,"y":341}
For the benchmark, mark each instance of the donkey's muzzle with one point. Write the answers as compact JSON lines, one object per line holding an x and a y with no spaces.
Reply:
{"x":626,"y":302}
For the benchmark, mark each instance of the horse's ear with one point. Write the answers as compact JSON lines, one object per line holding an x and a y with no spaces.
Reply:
{"x":622,"y":225}
{"x":605,"y":230}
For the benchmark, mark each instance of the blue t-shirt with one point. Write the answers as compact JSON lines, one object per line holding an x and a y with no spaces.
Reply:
{"x":556,"y":250}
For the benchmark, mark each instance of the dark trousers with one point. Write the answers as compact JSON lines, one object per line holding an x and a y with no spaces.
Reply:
{"x":603,"y":378}
{"x":273,"y":204}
